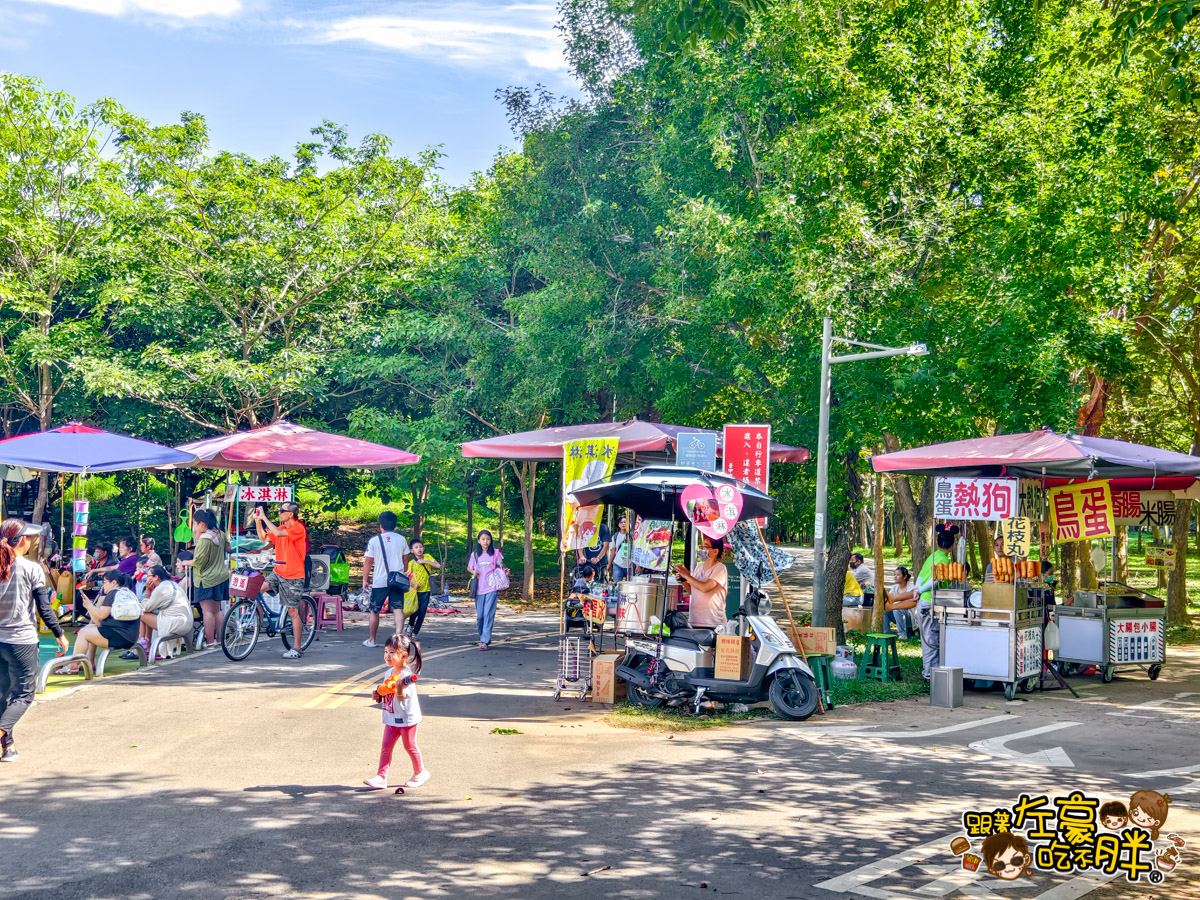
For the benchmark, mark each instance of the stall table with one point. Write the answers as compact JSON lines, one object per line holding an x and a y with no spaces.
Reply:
{"x":1000,"y":641}
{"x":1113,"y":628}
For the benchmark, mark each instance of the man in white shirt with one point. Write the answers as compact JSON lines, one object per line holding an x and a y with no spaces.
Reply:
{"x":386,"y":552}
{"x":862,"y":573}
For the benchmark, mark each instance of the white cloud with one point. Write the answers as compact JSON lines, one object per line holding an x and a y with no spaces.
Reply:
{"x":169,"y":9}
{"x":459,"y":32}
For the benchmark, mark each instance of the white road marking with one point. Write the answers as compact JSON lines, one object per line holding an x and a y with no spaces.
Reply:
{"x":1054,"y":757}
{"x":865,"y":730}
{"x":1163,"y":773}
{"x":1174,"y":705}
{"x":857,"y":880}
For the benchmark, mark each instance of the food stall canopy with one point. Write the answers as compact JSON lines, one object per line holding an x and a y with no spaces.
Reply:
{"x":653,"y":442}
{"x":82,"y":449}
{"x":653,"y":491}
{"x":1045,"y":453}
{"x":285,"y":446}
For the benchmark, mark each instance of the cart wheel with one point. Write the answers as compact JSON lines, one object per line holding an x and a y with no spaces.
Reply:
{"x":1028,"y":685}
{"x":1108,"y":673}
{"x":1010,"y":690}
{"x":1154,"y":671}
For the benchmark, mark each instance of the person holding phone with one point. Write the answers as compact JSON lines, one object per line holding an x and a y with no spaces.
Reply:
{"x":290,"y":539}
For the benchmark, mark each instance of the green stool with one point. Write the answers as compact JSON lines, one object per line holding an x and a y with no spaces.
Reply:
{"x":880,"y":659}
{"x":824,"y":677}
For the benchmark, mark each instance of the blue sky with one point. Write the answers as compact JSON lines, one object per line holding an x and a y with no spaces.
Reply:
{"x":263,"y":72}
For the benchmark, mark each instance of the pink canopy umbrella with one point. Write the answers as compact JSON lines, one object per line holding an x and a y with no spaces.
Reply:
{"x":285,"y":446}
{"x":652,"y":441}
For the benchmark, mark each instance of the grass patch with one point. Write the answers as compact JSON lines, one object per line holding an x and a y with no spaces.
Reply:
{"x":847,"y":693}
{"x":641,"y":718}
{"x":505,"y":731}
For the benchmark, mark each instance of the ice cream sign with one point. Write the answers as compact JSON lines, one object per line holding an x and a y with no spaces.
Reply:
{"x":713,"y":510}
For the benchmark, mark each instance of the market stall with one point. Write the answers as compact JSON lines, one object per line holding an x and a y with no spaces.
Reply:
{"x":1040,"y":487}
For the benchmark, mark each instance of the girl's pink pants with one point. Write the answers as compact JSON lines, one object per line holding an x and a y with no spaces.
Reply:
{"x":408,"y":735}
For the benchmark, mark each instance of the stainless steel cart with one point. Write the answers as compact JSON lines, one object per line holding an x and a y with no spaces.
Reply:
{"x":991,"y":644}
{"x":1112,"y":630}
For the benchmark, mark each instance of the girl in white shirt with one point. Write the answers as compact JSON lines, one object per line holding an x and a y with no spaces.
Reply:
{"x":401,"y":710}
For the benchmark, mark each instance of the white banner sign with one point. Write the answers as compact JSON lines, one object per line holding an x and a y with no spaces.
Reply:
{"x":1143,"y":507}
{"x":975,"y":499}
{"x":263,"y":493}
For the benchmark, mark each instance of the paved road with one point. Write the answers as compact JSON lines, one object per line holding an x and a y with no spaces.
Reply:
{"x":212,"y":779}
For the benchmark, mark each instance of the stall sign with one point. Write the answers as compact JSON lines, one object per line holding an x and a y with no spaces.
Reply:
{"x":1143,"y":507}
{"x":696,"y":450}
{"x":974,"y":499}
{"x":1029,"y":652}
{"x":746,"y":455}
{"x":262,"y":493}
{"x":1080,"y":512}
{"x":651,"y":537}
{"x":584,"y":462}
{"x":1018,"y":534}
{"x":1032,"y":504}
{"x":1160,"y":557}
{"x":1135,"y":641}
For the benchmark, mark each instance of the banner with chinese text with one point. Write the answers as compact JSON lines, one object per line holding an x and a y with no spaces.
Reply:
{"x":584,"y":462}
{"x":1143,"y":507}
{"x":262,"y":493}
{"x":746,"y":455}
{"x":974,"y":499}
{"x":1080,"y":512}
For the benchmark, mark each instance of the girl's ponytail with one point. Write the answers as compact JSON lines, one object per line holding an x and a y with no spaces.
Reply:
{"x":10,"y":536}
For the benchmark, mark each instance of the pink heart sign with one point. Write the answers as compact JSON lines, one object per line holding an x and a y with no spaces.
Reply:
{"x":713,"y":511}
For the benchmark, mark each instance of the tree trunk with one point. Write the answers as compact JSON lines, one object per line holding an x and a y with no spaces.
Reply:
{"x":972,"y":559}
{"x":470,"y":519}
{"x":1177,"y":594}
{"x":500,"y":528}
{"x":1087,"y":574}
{"x":420,"y":499}
{"x":898,"y":533}
{"x":1122,"y":541}
{"x":1160,"y":538}
{"x":835,"y":578}
{"x":1069,"y":570}
{"x":877,"y":558}
{"x":918,"y":517}
{"x":527,"y":482}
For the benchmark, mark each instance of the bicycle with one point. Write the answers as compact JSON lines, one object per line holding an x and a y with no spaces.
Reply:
{"x":246,"y":618}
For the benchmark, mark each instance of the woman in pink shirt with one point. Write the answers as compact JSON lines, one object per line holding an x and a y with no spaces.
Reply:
{"x":710,"y":585}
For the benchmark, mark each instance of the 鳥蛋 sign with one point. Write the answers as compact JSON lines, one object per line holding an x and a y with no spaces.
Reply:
{"x":1080,"y":512}
{"x":974,"y":499}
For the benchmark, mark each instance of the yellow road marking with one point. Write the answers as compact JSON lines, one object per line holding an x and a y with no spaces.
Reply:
{"x":341,"y":686}
{"x":365,"y":688}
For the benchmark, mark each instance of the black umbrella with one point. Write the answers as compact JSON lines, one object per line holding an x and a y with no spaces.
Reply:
{"x":653,"y":491}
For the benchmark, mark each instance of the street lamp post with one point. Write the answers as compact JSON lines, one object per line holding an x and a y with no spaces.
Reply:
{"x":877,"y":351}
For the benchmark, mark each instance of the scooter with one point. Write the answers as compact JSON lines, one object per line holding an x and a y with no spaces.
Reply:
{"x":677,"y":668}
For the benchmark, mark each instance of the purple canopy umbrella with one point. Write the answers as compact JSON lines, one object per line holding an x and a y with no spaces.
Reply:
{"x":79,"y":448}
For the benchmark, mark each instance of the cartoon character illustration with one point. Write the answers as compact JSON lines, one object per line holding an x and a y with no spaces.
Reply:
{"x":1114,"y":815}
{"x":1148,"y":809}
{"x":1006,"y":855}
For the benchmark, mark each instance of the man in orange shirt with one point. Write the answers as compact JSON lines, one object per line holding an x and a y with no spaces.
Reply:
{"x":290,"y":539}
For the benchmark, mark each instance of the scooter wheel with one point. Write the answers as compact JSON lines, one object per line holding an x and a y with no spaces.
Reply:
{"x":642,"y":697}
{"x":793,"y":695}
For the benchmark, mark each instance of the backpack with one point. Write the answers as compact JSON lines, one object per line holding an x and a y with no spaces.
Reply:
{"x":125,"y":606}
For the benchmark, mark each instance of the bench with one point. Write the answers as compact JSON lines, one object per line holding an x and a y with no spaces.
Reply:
{"x":50,"y":665}
{"x":144,"y":658}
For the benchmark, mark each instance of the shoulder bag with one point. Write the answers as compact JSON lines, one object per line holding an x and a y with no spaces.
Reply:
{"x":394,"y":579}
{"x":125,"y":606}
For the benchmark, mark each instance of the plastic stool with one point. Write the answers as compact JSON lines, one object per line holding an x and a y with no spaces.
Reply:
{"x":323,"y":619}
{"x":880,"y":659}
{"x":819,"y":663}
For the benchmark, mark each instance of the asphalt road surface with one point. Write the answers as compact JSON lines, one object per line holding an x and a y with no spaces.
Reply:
{"x":210,"y":779}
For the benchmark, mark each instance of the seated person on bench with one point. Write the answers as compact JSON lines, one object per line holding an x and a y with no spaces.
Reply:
{"x":585,"y":582}
{"x":166,"y":606}
{"x":710,"y":585}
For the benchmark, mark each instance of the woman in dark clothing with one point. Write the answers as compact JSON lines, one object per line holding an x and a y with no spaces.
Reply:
{"x":23,"y":598}
{"x":105,"y":631}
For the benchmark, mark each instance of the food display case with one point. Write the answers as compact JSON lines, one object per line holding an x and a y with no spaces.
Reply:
{"x":1000,"y":639}
{"x":1115,"y":627}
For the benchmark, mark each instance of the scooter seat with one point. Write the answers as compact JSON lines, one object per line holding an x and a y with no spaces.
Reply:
{"x":702,"y":636}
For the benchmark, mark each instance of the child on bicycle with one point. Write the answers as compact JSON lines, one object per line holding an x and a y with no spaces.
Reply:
{"x":401,"y":710}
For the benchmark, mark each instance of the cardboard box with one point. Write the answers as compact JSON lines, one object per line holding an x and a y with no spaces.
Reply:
{"x":853,"y":617}
{"x":732,"y":658}
{"x":606,"y":688}
{"x":816,"y":641}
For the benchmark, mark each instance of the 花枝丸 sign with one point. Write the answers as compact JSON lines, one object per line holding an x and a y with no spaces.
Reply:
{"x":1080,"y":512}
{"x":974,"y":499}
{"x":1017,"y":535}
{"x":263,"y":493}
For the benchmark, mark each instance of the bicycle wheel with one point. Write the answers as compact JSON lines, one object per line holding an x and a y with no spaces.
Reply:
{"x":239,"y":631}
{"x":308,"y":614}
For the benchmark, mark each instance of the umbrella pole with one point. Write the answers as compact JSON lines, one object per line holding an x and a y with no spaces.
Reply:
{"x":562,"y":596}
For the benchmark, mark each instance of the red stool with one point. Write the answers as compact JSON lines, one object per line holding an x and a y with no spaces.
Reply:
{"x":323,"y":618}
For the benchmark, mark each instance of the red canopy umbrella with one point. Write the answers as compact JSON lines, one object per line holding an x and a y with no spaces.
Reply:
{"x":1046,"y":454}
{"x":652,"y":441}
{"x":285,"y":446}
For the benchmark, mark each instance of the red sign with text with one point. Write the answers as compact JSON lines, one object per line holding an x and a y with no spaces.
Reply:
{"x":746,"y":455}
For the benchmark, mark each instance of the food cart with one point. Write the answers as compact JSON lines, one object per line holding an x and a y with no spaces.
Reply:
{"x":998,"y":641}
{"x":1113,"y":628}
